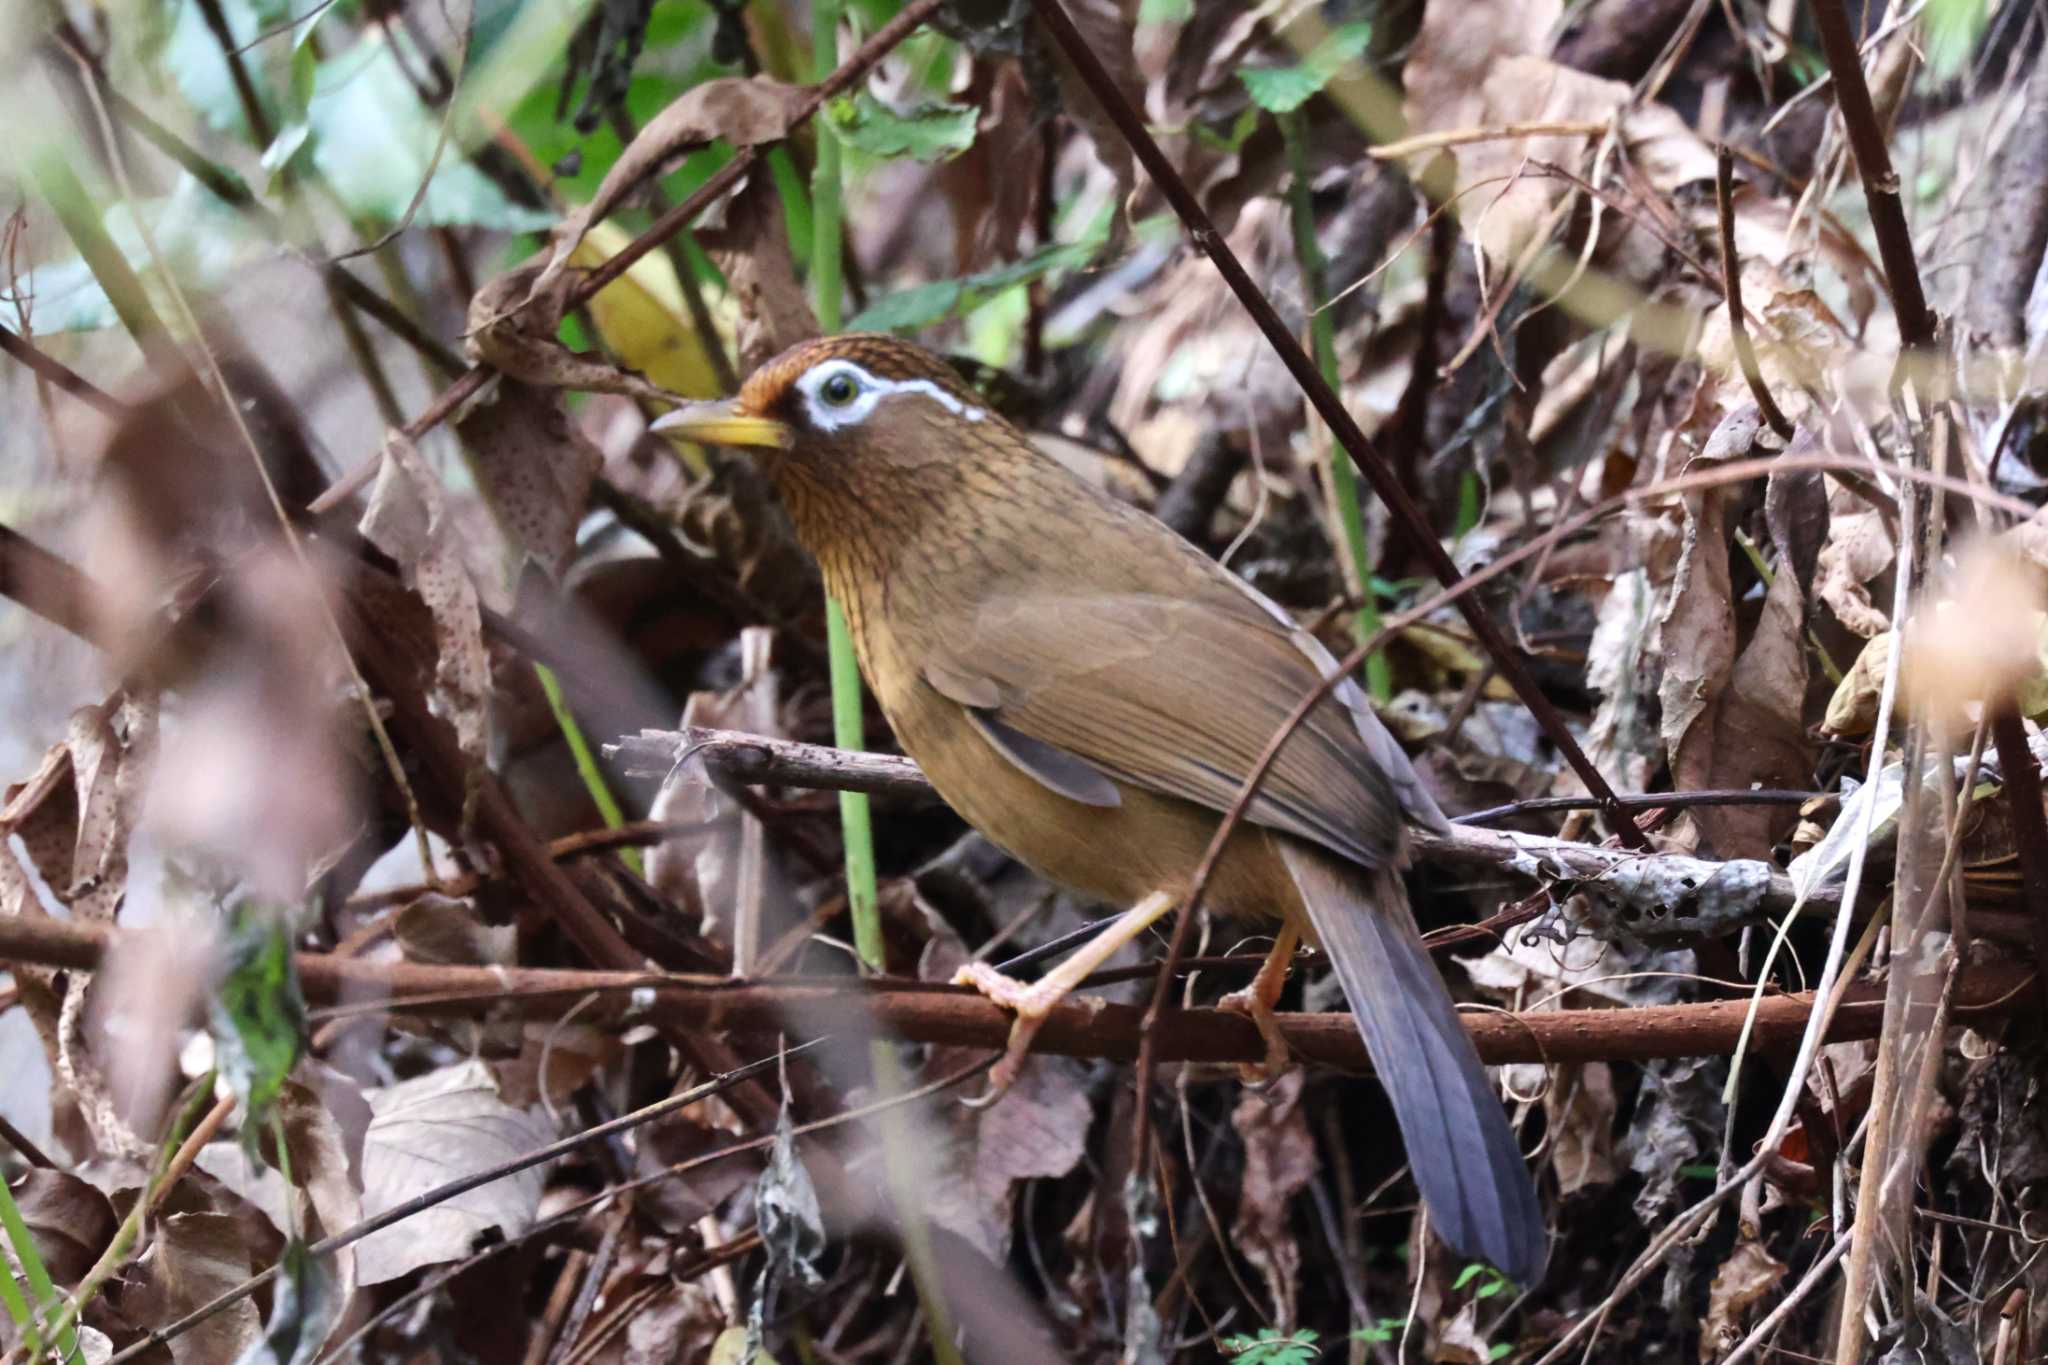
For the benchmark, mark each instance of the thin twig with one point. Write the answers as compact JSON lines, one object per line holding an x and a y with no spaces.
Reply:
{"x":1731,"y":280}
{"x":761,"y":759}
{"x":59,"y":375}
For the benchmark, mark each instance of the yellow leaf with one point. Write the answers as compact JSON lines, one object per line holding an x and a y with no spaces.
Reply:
{"x":646,"y":324}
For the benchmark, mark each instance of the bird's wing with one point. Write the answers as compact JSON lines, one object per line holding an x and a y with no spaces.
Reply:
{"x":1180,"y":696}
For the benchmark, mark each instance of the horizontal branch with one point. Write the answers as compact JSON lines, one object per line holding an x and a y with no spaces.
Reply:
{"x":1658,"y":881}
{"x":927,"y":1013}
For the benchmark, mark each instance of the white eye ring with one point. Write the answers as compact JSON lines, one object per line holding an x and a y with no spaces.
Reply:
{"x":832,"y":405}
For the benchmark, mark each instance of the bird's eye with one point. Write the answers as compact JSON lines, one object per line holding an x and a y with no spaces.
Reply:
{"x":839,"y":389}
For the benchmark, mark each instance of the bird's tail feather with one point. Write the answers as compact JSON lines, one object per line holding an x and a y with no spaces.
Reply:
{"x":1467,"y":1162}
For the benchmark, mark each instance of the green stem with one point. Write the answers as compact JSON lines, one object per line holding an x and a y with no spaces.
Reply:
{"x":1322,"y":339}
{"x":198,"y":1098}
{"x":899,"y":1142}
{"x":826,"y":289}
{"x":24,"y":1244}
{"x":586,"y":763}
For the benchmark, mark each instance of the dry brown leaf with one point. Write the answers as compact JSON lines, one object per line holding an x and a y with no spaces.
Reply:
{"x":680,"y":1322}
{"x":1852,"y":710}
{"x":1732,"y":722}
{"x":1040,"y":1130}
{"x":407,"y":518}
{"x":743,"y":110}
{"x":75,"y":814}
{"x":426,"y":1132}
{"x":752,"y":249}
{"x":512,"y":328}
{"x":534,"y":466}
{"x":992,"y":187}
{"x":1279,"y":1161}
{"x":1859,"y":547}
{"x":71,"y":1220}
{"x":194,"y":1259}
{"x":318,"y":1144}
{"x":1485,"y":67}
{"x":1108,"y":29}
{"x":1578,"y":1105}
{"x":725,"y":867}
{"x":435,"y":928}
{"x":1749,"y":1273}
{"x":1443,"y":81}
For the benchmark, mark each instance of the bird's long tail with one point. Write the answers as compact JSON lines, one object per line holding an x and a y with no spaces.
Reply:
{"x":1466,"y":1160}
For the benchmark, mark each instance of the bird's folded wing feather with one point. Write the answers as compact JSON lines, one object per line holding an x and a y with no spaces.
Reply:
{"x":1179,"y":696}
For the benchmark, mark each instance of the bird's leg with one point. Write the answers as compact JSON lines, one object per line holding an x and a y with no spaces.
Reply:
{"x":1034,"y":1002}
{"x":1256,"y":1002}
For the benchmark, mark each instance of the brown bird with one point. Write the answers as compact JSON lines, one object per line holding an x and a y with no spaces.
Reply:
{"x":1089,"y":691}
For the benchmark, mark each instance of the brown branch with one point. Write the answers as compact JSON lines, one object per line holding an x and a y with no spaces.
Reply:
{"x":45,"y":584}
{"x":856,"y":66}
{"x":781,"y":762}
{"x":2029,"y":824}
{"x":1880,"y":180}
{"x":1330,"y":408}
{"x":923,"y":1012}
{"x":59,"y":375}
{"x":1731,"y":282}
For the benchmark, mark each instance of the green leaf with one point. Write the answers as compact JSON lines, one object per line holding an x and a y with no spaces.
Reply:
{"x":925,"y":304}
{"x":259,"y":1017}
{"x":1271,"y":1347}
{"x":203,"y":240}
{"x":1954,"y":28}
{"x":1467,"y":1275}
{"x":283,"y":151}
{"x":930,"y":132}
{"x":1283,"y":89}
{"x":1240,"y":130}
{"x":373,"y":141}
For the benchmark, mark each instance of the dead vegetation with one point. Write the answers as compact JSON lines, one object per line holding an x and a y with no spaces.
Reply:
{"x":431,"y":933}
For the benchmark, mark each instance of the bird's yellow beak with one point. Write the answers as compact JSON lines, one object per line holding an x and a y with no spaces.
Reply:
{"x":722,"y":423}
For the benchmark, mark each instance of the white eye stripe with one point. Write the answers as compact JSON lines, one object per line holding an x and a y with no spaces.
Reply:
{"x":868,"y":391}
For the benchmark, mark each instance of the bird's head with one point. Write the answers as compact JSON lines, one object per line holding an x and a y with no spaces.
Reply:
{"x":836,"y":408}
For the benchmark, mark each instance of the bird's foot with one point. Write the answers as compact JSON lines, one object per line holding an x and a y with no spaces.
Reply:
{"x":1031,"y":1004}
{"x":1279,"y":1057}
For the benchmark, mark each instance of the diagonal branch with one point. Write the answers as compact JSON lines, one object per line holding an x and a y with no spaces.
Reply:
{"x":1331,"y":409}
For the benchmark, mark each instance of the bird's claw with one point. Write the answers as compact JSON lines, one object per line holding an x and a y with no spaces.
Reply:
{"x":1030,"y":1004}
{"x":1279,"y":1059}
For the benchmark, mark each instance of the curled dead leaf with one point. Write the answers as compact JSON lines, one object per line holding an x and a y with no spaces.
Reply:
{"x":1852,"y":710}
{"x":512,"y":328}
{"x":745,"y":111}
{"x":408,"y":519}
{"x":1279,"y":1161}
{"x":1749,"y":1273}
